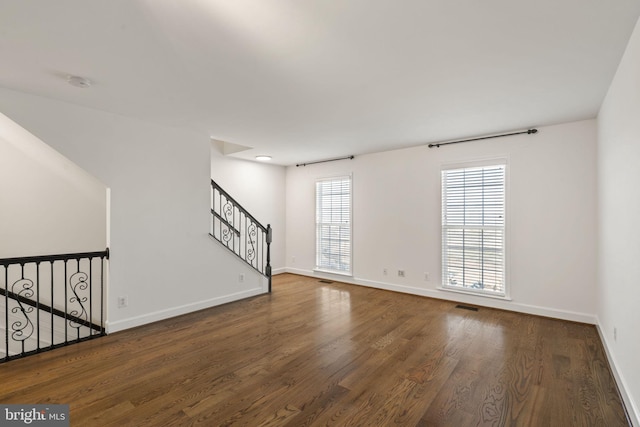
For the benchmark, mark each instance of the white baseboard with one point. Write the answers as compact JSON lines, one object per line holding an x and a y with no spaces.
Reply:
{"x":143,"y":319}
{"x":457,"y":297}
{"x":632,"y":411}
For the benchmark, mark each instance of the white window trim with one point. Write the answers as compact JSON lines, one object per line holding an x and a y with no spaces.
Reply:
{"x":474,"y":293}
{"x":317,"y":268}
{"x":480,"y":162}
{"x":476,"y":163}
{"x":336,"y":272}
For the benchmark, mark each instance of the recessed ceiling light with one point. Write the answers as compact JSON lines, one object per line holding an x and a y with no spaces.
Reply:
{"x":78,"y":81}
{"x":263,"y":158}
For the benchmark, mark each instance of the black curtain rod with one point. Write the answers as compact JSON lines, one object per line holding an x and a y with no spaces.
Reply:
{"x":324,"y":161}
{"x":530,"y":131}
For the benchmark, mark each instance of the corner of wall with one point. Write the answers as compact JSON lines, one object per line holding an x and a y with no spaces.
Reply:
{"x":633,"y":413}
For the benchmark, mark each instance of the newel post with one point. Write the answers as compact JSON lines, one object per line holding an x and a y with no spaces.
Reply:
{"x":268,"y":267}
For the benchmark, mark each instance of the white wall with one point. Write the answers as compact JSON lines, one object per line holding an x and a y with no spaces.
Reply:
{"x":619,"y":223}
{"x":259,"y":188}
{"x":162,"y":256}
{"x":396,"y":218}
{"x":48,"y":205}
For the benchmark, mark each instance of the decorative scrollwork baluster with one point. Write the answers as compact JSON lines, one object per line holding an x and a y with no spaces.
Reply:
{"x":22,"y":329}
{"x":227,"y":232}
{"x":78,"y":284}
{"x":227,"y":210}
{"x":252,"y":232}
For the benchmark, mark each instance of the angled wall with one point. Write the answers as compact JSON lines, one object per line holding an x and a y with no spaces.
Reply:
{"x":48,"y":205}
{"x":619,"y":226}
{"x":162,"y":257}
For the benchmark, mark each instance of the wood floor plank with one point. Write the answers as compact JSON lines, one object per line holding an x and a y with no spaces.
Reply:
{"x":330,"y":354}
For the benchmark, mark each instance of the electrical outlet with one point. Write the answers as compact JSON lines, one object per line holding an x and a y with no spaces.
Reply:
{"x":384,"y":271}
{"x":123,"y":301}
{"x":400,"y":273}
{"x":293,"y":260}
{"x":426,"y":276}
{"x":615,"y":334}
{"x":241,"y":277}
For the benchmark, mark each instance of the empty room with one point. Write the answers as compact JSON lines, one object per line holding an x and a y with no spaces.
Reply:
{"x":278,"y":213}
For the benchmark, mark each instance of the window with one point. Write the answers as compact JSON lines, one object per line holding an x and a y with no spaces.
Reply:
{"x":333,"y":225}
{"x":473,"y":229}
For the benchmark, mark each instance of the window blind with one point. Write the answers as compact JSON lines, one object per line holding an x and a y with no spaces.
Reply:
{"x":473,"y":228}
{"x":333,"y":224}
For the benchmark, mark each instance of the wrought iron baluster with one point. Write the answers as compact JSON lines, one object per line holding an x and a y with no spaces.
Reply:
{"x":90,"y":295}
{"x":246,"y":245}
{"x":268,"y":267}
{"x":238,"y":225}
{"x":66,"y":309}
{"x":38,"y":304}
{"x":78,"y":284}
{"x":262,"y":244}
{"x":52,"y":301}
{"x":22,"y":329}
{"x":6,"y":310}
{"x":102,"y":261}
{"x":233,"y":228}
{"x":251,"y":236}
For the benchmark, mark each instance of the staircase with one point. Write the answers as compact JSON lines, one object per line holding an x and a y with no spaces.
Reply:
{"x":237,"y":230}
{"x":56,"y":300}
{"x":50,"y":301}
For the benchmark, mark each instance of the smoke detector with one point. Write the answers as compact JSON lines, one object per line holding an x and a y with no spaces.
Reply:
{"x":78,"y":81}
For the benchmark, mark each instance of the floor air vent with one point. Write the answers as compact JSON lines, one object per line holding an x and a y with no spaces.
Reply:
{"x":467,"y":307}
{"x":325,"y":281}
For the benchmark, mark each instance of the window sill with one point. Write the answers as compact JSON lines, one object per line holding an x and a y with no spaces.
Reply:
{"x":477,"y":294}
{"x":339,"y":273}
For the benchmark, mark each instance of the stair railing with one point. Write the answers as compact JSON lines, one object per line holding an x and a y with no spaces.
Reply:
{"x":237,"y":230}
{"x":50,"y":301}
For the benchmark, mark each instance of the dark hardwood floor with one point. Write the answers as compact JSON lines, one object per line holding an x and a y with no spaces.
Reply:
{"x":314,"y":354}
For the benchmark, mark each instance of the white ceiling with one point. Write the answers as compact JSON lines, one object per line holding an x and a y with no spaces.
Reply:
{"x":305,"y":80}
